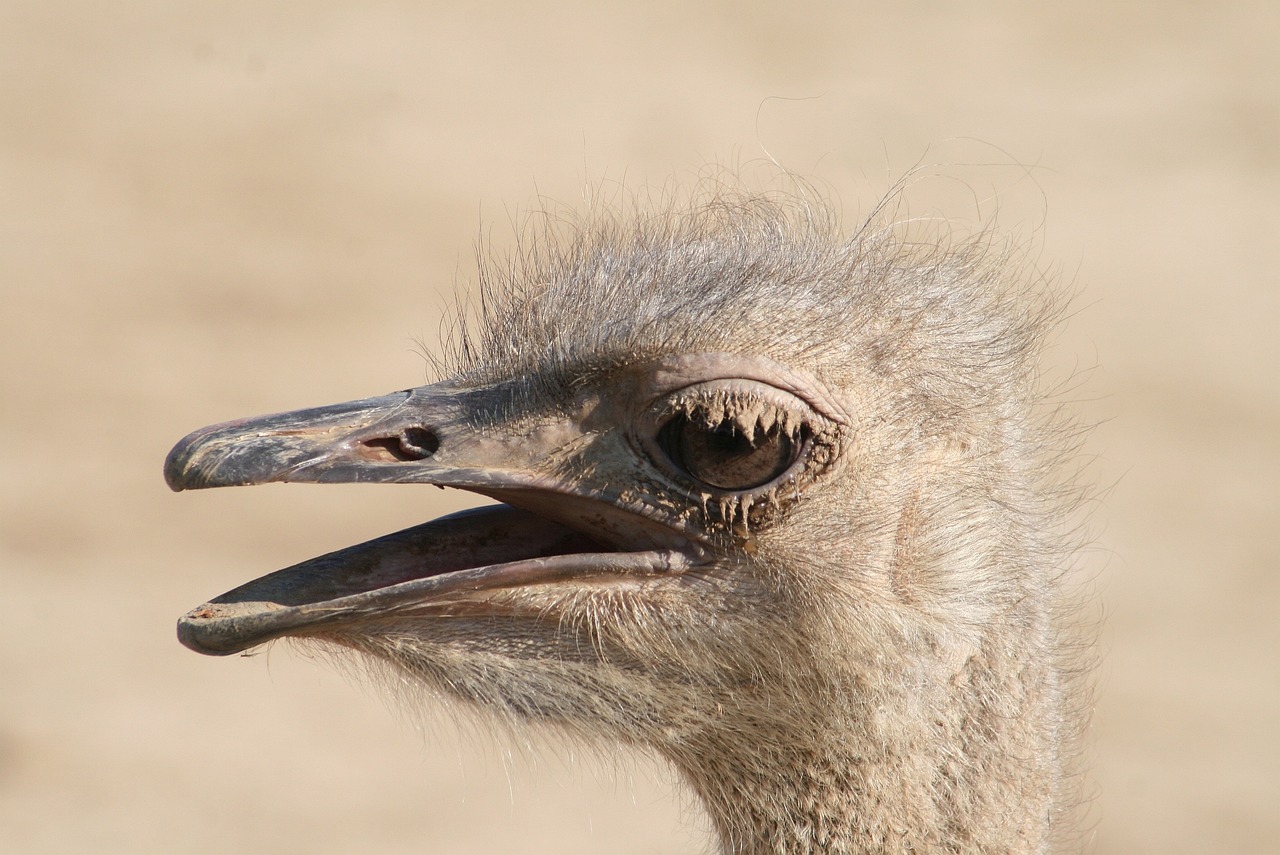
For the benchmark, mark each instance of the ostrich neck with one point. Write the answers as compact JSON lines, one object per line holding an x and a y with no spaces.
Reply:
{"x":965,"y":765}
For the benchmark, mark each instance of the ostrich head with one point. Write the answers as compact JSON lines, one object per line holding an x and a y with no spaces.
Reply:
{"x":771,"y":505}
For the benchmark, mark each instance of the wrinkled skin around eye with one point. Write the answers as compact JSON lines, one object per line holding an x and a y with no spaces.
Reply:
{"x":723,"y":456}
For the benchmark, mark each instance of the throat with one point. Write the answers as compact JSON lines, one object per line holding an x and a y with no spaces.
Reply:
{"x":963,"y":778}
{"x":835,"y":804}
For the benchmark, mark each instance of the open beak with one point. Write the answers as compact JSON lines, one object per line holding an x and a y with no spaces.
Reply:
{"x":555,"y":526}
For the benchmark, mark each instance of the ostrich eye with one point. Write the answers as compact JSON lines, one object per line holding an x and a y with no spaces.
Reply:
{"x":724,"y":455}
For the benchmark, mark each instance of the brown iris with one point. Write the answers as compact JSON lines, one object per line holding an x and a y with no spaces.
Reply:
{"x":723,"y":455}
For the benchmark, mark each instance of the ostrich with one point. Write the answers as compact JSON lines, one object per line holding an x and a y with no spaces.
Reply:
{"x":775,"y":502}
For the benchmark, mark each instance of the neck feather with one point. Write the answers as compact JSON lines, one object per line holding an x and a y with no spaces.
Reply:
{"x":934,"y":760}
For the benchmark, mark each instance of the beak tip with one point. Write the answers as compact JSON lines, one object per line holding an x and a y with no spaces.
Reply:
{"x":175,"y":467}
{"x":193,"y":637}
{"x":178,"y":470}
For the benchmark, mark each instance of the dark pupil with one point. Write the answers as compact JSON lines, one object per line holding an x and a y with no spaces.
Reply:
{"x":724,"y":457}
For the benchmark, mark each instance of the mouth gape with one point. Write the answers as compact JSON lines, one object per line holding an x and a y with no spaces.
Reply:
{"x":416,"y":571}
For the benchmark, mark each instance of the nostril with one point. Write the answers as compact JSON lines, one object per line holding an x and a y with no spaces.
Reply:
{"x":413,"y":443}
{"x":419,"y":442}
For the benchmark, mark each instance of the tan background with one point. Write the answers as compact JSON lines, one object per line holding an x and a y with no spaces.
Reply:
{"x":210,"y":210}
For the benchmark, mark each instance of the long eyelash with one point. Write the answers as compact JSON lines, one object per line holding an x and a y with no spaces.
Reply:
{"x":748,"y":414}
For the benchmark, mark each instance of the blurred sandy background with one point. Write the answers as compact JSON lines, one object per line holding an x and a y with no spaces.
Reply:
{"x":210,"y":210}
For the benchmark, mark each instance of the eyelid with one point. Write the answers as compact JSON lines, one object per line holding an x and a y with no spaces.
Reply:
{"x":752,"y":393}
{"x":680,"y":372}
